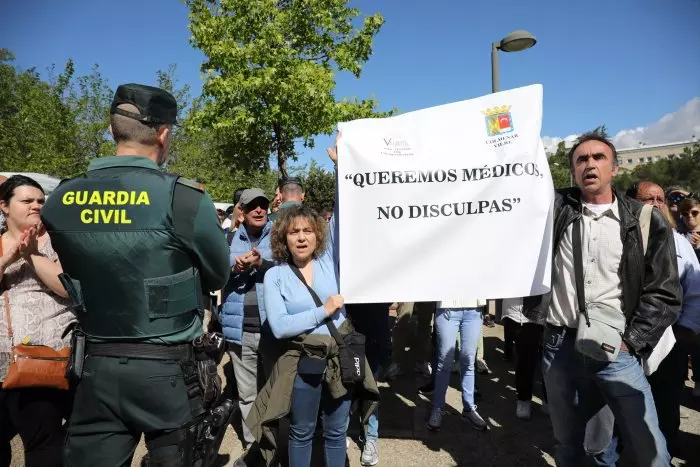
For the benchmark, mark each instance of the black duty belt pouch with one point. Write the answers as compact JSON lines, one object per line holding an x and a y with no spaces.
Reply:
{"x":74,"y":370}
{"x":351,"y":346}
{"x":209,"y":349}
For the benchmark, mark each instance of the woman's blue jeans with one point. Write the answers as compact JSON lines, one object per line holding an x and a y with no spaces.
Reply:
{"x":308,"y":396}
{"x":448,"y":322}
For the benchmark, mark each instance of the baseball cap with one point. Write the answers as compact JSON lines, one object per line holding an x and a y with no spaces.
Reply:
{"x":155,"y":104}
{"x":290,"y":181}
{"x":251,"y":194}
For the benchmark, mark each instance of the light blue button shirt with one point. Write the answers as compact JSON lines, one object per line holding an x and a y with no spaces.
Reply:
{"x":291,"y":310}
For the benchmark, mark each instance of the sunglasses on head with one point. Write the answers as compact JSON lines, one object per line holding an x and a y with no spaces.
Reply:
{"x":676,"y":198}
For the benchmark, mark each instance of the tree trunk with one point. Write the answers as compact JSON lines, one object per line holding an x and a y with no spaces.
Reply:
{"x":281,"y":156}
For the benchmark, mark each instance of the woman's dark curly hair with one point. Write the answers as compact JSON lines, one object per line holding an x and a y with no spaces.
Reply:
{"x":285,"y":220}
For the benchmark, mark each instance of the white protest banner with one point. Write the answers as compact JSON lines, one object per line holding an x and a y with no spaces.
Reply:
{"x":448,"y":202}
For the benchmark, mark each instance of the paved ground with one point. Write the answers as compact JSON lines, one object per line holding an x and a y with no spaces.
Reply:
{"x":509,"y":442}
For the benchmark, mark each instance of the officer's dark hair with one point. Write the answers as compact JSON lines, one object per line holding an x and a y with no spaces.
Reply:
{"x":8,"y":187}
{"x":291,"y":188}
{"x":592,"y":136}
{"x":125,"y":129}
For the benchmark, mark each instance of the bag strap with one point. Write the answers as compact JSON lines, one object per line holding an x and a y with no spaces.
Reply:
{"x":328,"y":322}
{"x":6,"y":298}
{"x":644,"y":224}
{"x":578,"y":268}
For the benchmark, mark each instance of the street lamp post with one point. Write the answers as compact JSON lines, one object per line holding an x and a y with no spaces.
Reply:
{"x":514,"y":42}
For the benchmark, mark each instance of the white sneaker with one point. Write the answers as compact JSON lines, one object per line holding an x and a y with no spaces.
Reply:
{"x":696,"y":390}
{"x":475,"y":419}
{"x":482,"y":367}
{"x":435,"y":420}
{"x":370,"y":453}
{"x":523,"y":410}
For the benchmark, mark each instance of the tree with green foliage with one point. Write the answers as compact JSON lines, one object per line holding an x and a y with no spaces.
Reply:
{"x":53,"y":127}
{"x":167,"y":80}
{"x":319,"y":186}
{"x":270,"y":73}
{"x":90,"y":99}
{"x":683,"y":171}
{"x":559,"y":166}
{"x":37,"y":129}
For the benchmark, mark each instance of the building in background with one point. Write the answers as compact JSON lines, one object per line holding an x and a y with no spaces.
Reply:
{"x":628,"y":159}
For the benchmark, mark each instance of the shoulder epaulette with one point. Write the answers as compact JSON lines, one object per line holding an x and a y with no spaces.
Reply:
{"x":191,"y":183}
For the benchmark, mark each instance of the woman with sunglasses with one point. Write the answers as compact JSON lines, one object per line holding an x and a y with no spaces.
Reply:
{"x":689,"y":210}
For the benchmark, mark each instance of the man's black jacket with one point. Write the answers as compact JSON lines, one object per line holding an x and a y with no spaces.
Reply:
{"x":651,"y":291}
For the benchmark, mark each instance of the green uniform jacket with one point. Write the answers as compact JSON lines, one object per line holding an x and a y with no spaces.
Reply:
{"x":275,"y":399}
{"x":140,"y":247}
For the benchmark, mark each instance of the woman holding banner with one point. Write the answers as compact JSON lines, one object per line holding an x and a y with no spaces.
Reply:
{"x":303,"y":305}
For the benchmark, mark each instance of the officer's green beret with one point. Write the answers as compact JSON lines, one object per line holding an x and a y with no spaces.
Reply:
{"x":155,"y":105}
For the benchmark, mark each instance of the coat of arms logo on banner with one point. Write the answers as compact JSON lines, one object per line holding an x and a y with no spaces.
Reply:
{"x":498,"y":120}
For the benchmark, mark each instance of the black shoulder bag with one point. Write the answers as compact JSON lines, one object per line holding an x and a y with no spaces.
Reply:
{"x":351,"y":346}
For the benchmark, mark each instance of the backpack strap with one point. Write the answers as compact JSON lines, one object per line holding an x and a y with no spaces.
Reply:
{"x":576,"y":241}
{"x":644,"y":224}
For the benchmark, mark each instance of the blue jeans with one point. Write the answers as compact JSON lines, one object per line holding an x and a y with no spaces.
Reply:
{"x":586,"y":397}
{"x":466,"y":321}
{"x":308,"y":395}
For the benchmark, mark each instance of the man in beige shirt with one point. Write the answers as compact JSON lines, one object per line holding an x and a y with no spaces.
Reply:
{"x":644,"y":288}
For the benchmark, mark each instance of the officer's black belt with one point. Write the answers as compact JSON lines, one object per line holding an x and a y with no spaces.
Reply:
{"x":140,"y":350}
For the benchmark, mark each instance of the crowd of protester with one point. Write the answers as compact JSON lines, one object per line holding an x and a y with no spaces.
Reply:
{"x":282,"y":300}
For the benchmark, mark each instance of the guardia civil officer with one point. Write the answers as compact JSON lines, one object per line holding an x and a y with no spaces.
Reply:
{"x":139,"y":246}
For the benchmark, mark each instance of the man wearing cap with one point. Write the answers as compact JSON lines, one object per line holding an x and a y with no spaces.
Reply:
{"x":291,"y":193}
{"x":139,"y":248}
{"x":243,"y":313}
